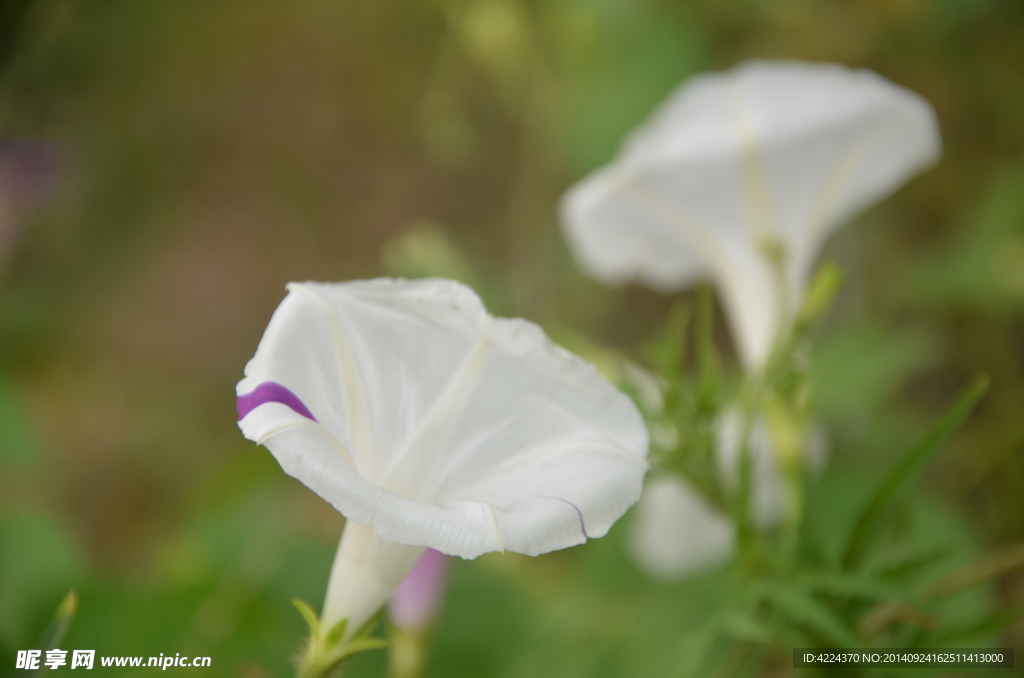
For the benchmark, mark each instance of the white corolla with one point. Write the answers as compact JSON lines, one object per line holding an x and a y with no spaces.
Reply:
{"x":429,"y":423}
{"x":739,"y":177}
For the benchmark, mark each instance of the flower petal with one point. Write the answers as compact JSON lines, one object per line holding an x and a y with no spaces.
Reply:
{"x":440,"y":426}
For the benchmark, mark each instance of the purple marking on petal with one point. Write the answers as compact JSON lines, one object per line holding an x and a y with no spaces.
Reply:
{"x":270,"y":392}
{"x":579,"y":513}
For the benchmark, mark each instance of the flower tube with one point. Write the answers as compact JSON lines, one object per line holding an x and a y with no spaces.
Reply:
{"x":412,"y":610}
{"x":429,"y":423}
{"x":415,"y":602}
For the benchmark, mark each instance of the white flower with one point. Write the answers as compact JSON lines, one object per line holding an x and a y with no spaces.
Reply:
{"x":429,"y":423}
{"x":739,"y":177}
{"x":676,"y":533}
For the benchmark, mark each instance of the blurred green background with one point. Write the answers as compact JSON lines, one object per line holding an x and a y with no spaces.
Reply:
{"x":204,"y":153}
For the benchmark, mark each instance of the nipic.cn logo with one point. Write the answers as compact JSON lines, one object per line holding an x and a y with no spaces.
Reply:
{"x":86,"y":659}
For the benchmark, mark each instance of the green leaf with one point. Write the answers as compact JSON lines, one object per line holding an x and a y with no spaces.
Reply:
{"x":896,"y":487}
{"x":863,"y":588}
{"x":56,"y":630}
{"x":911,"y":566}
{"x":804,"y":610}
{"x":61,"y":621}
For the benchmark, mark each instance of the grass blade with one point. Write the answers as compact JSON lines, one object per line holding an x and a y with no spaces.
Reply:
{"x":895,"y":488}
{"x":55,"y":631}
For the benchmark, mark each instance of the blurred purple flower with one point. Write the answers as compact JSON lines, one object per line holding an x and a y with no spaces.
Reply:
{"x":415,"y":603}
{"x":28,"y":172}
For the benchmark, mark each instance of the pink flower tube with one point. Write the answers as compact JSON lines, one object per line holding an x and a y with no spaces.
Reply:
{"x":415,"y":603}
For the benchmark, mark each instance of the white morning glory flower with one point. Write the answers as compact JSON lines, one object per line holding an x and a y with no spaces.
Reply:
{"x":739,"y":177}
{"x":429,"y":423}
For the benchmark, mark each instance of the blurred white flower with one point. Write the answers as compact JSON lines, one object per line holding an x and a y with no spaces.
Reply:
{"x":429,"y":423}
{"x":676,"y":533}
{"x":739,"y":177}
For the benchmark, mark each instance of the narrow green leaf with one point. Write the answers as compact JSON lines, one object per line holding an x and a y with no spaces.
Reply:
{"x":891,"y":493}
{"x":61,"y":621}
{"x":911,"y":567}
{"x":55,"y":630}
{"x":804,"y":610}
{"x":862,"y":588}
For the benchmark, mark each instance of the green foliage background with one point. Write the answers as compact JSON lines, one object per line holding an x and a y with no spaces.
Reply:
{"x":213,"y":151}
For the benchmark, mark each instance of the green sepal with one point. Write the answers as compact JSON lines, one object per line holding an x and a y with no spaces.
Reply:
{"x":363,"y":644}
{"x":326,"y":651}
{"x":336,"y":633}
{"x":307,"y":613}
